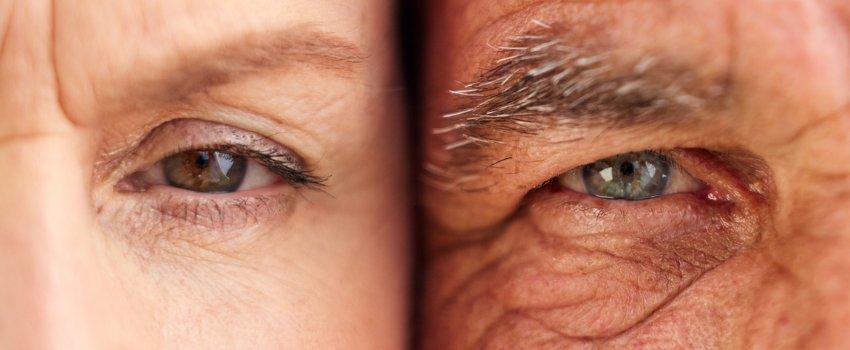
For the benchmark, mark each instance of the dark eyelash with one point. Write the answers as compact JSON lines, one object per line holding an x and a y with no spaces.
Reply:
{"x":284,"y":164}
{"x":281,"y":163}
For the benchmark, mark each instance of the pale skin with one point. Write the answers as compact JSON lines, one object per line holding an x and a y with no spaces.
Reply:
{"x":757,"y":260}
{"x":92,"y":259}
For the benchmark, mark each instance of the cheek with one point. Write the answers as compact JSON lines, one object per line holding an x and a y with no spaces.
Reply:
{"x":577,"y":268}
{"x":224,"y":305}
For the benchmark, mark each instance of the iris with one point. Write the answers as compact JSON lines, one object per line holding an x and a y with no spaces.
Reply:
{"x":205,"y":170}
{"x":630,"y":176}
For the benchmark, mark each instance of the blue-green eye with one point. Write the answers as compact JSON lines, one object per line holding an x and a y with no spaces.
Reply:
{"x":632,"y":176}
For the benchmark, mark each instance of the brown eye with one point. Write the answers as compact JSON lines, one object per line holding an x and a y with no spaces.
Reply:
{"x":205,"y":170}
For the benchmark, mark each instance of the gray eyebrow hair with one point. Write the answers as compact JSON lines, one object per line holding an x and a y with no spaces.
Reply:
{"x":543,"y":82}
{"x":232,"y":60}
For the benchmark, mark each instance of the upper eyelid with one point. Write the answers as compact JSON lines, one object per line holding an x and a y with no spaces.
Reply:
{"x":122,"y":140}
{"x":178,"y":135}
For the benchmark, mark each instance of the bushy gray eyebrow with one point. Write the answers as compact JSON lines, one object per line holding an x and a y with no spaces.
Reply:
{"x":549,"y":78}
{"x":543,"y":80}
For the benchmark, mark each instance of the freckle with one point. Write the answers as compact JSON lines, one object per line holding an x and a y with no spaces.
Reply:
{"x":99,"y":209}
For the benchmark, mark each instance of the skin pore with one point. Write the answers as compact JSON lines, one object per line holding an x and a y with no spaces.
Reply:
{"x":747,"y":97}
{"x":99,"y":249}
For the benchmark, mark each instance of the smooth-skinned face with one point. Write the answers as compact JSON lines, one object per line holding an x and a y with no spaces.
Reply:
{"x":201,"y":175}
{"x":637,"y":175}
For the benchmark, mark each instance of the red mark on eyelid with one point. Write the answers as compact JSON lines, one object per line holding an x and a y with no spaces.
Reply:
{"x":713,"y":195}
{"x":728,"y":179}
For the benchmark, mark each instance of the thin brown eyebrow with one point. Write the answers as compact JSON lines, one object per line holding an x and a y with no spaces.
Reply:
{"x":543,"y":81}
{"x":249,"y":54}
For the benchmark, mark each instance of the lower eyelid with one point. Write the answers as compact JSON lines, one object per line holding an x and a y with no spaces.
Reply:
{"x":224,"y":215}
{"x":171,"y":226}
{"x":164,"y":208}
{"x":559,"y":208}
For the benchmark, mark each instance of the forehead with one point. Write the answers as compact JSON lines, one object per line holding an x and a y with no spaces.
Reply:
{"x":100,"y":44}
{"x":163,"y":24}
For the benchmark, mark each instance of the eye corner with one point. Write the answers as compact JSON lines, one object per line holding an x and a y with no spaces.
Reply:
{"x":129,"y":184}
{"x":736,"y":175}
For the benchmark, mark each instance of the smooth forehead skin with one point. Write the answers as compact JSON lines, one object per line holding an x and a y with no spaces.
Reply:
{"x":513,"y":264}
{"x":82,"y":84}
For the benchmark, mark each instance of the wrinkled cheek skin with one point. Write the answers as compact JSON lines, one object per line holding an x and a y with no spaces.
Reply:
{"x":572,"y":272}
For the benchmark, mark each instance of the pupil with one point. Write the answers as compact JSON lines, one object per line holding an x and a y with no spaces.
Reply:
{"x":203,"y":161}
{"x":627,"y":169}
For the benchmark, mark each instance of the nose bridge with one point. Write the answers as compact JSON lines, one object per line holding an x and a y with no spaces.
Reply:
{"x":46,"y":251}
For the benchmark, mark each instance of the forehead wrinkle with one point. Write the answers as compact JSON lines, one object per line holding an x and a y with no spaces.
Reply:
{"x":196,"y":72}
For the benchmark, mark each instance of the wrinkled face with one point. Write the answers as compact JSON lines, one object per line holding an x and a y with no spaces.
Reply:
{"x":201,"y":175}
{"x":637,"y":174}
